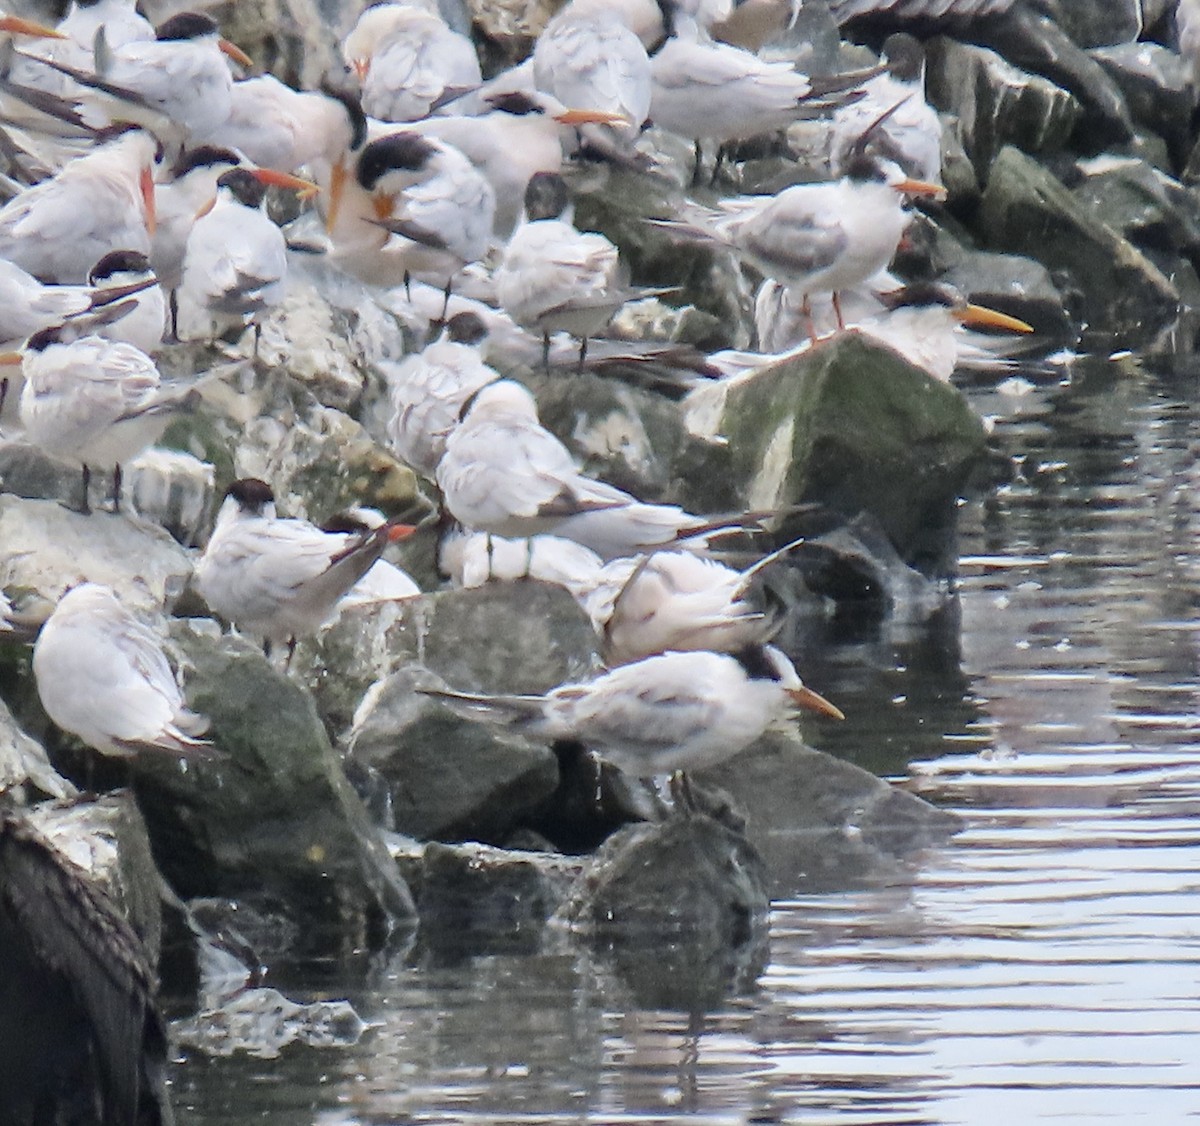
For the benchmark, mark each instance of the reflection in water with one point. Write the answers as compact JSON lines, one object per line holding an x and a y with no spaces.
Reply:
{"x":1045,"y":965}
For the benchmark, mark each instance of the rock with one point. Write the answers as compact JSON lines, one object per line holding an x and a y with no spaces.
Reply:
{"x":687,"y":876}
{"x":502,"y":637}
{"x":1149,"y":208}
{"x":821,"y":823}
{"x":506,"y":29}
{"x":45,"y":548}
{"x":1157,"y":86}
{"x":262,"y":1022}
{"x":995,"y":103}
{"x":174,"y":490}
{"x":271,"y":819}
{"x":448,"y":778}
{"x":851,"y":426}
{"x":25,"y":771}
{"x":1026,"y":210}
{"x":1031,"y":40}
{"x":1020,"y":287}
{"x":1099,"y":23}
{"x":473,"y":894}
{"x":106,"y":839}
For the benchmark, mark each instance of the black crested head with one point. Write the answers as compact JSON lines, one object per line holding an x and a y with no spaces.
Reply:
{"x":203,"y":156}
{"x":42,"y":339}
{"x":466,"y":328}
{"x":245,"y":187}
{"x":546,"y":196}
{"x":251,"y":494}
{"x":351,"y":102}
{"x":516,"y":102}
{"x":904,"y":55}
{"x":922,"y":294}
{"x":186,"y":25}
{"x":863,"y":168}
{"x":119,"y":262}
{"x":346,"y":523}
{"x":757,"y":663}
{"x":404,"y":152}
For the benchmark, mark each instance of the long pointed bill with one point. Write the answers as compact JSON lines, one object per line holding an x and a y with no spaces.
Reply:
{"x":10,"y":359}
{"x":590,"y":117}
{"x":919,"y":187}
{"x":15,"y":25}
{"x":146,"y":184}
{"x":398,"y":532}
{"x":383,"y":205}
{"x":305,"y":189}
{"x":814,"y":702}
{"x":361,"y":68}
{"x":233,"y":51}
{"x":204,"y":210}
{"x":978,"y":316}
{"x":337,"y":189}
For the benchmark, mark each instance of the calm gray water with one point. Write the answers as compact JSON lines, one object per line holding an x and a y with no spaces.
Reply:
{"x":1042,"y":966}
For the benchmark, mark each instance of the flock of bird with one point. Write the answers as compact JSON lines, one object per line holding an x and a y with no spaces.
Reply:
{"x":144,"y":222}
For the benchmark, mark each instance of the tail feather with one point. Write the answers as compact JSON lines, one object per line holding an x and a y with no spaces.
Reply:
{"x":505,"y":710}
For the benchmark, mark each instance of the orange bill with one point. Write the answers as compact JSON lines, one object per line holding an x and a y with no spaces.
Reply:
{"x":233,"y":51}
{"x":146,"y":185}
{"x":978,"y":316}
{"x":590,"y":117}
{"x":361,"y":68}
{"x":398,"y":532}
{"x":305,"y":189}
{"x":206,"y":208}
{"x":337,"y":189}
{"x":919,"y":187}
{"x":10,"y":359}
{"x":15,"y":25}
{"x":814,"y":702}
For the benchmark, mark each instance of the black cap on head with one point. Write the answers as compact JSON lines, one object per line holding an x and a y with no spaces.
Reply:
{"x":43,"y":338}
{"x":351,"y":102}
{"x":118,"y":262}
{"x":904,"y":55}
{"x":406,"y":152}
{"x":922,"y":294}
{"x":186,"y":25}
{"x":247,"y":189}
{"x":251,"y":494}
{"x":466,"y":328}
{"x":546,"y":196}
{"x":515,"y":102}
{"x":757,"y":663}
{"x":203,"y":156}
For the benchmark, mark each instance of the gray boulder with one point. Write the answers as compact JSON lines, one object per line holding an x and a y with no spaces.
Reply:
{"x":1156,"y":84}
{"x":1026,"y":210}
{"x":25,"y":771}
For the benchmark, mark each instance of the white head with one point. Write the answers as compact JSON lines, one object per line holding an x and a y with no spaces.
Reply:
{"x":502,"y":399}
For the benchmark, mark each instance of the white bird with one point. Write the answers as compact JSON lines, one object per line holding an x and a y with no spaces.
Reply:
{"x":102,"y":675}
{"x":126,"y":274}
{"x":26,"y":305}
{"x":416,"y":206}
{"x":471,"y":559}
{"x":675,"y":600}
{"x":235,"y":259}
{"x":92,"y":401}
{"x":893,"y":121}
{"x":816,"y":238}
{"x":409,"y":61}
{"x":279,"y":578}
{"x":555,"y":278}
{"x":673,"y":711}
{"x":428,"y":391}
{"x":384,"y":581}
{"x":58,"y":229}
{"x":595,"y":61}
{"x":503,"y":473}
{"x":181,"y":74}
{"x":518,"y":135}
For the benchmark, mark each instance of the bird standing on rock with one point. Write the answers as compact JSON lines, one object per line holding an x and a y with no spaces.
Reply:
{"x":102,"y":675}
{"x":281,"y":578}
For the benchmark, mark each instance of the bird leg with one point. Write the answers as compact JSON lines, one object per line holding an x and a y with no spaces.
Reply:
{"x":546,"y":350}
{"x":837,"y":308}
{"x":682,"y":793}
{"x":696,"y":177}
{"x":86,"y":507}
{"x":291,"y":652}
{"x":408,"y":287}
{"x":722,"y":155}
{"x":117,"y":478}
{"x":582,"y":353}
{"x":809,"y":324}
{"x":173,"y":309}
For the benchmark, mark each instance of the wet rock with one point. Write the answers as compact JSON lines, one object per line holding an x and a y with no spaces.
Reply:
{"x":687,"y":875}
{"x":447,"y":777}
{"x":45,"y":548}
{"x":1153,"y":211}
{"x":1099,"y":23}
{"x":472,"y":893}
{"x":821,"y":823}
{"x":25,"y":771}
{"x":1026,"y":210}
{"x":1031,"y":40}
{"x":853,"y":427}
{"x":996,"y":104}
{"x":270,"y":819}
{"x":174,"y":490}
{"x":262,"y":1022}
{"x":106,"y":839}
{"x":502,"y":637}
{"x":507,"y":28}
{"x":1157,"y":87}
{"x":1019,"y":286}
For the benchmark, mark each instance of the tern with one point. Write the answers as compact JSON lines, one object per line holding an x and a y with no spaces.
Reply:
{"x":429,"y":390}
{"x":409,"y":61}
{"x":102,"y":675}
{"x":503,"y":473}
{"x":666,"y":713}
{"x":281,"y":578}
{"x":58,"y":229}
{"x":127,"y":273}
